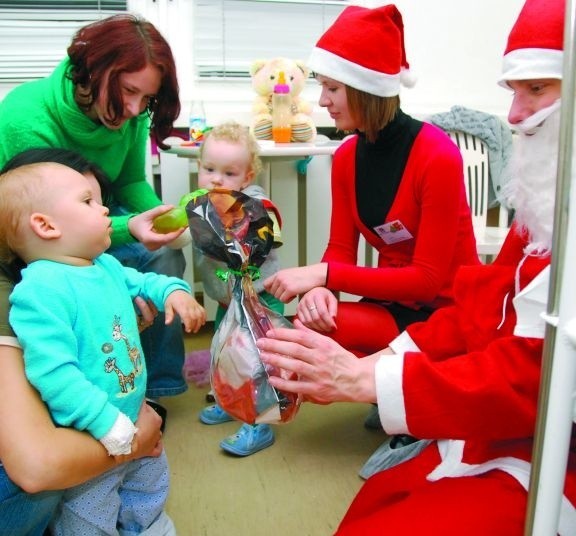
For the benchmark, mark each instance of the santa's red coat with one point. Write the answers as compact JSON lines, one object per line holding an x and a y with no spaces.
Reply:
{"x":466,"y":379}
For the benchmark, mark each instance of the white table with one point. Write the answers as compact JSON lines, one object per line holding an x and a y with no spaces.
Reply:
{"x":271,"y":150}
{"x":305,"y":224}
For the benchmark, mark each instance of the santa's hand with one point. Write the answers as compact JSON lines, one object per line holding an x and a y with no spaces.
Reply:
{"x":320,"y":369}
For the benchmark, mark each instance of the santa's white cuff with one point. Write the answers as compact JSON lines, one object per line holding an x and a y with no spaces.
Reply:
{"x":390,"y":394}
{"x":119,"y":438}
{"x":403,"y":343}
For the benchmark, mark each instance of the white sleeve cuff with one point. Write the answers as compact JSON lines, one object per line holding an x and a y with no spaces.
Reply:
{"x":119,"y":438}
{"x":404,"y":343}
{"x":9,"y":341}
{"x":390,"y":394}
{"x":182,"y":241}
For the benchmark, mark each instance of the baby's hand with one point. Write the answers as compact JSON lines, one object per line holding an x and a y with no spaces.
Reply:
{"x":182,"y":303}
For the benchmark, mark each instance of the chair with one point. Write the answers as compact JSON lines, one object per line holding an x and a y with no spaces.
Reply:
{"x":475,"y":155}
{"x":488,"y":239}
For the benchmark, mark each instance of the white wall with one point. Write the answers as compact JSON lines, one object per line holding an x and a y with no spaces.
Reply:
{"x":455,"y":48}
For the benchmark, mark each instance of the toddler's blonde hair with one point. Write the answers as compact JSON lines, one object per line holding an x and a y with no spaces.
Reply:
{"x":234,"y":132}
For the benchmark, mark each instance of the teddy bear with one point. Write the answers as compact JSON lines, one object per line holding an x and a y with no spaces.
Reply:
{"x":265,"y":74}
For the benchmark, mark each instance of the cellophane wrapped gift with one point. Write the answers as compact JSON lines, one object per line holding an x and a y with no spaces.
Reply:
{"x":234,"y":228}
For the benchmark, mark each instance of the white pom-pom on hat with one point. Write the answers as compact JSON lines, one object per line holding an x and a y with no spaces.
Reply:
{"x":408,"y":78}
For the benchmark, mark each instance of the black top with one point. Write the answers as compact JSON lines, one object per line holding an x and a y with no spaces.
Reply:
{"x":380,"y":166}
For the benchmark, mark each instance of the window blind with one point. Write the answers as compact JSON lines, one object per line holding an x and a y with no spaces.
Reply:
{"x":34,"y":34}
{"x":230,"y":34}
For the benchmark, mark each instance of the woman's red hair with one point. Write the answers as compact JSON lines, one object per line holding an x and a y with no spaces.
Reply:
{"x":125,"y":44}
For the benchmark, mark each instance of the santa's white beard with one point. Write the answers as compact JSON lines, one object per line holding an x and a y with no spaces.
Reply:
{"x":532,"y":187}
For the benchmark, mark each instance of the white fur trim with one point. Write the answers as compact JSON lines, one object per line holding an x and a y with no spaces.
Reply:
{"x":346,"y":72}
{"x":452,"y":451}
{"x":530,"y":304}
{"x":531,"y":64}
{"x":389,"y":394}
{"x":403,"y":343}
{"x":408,"y":78}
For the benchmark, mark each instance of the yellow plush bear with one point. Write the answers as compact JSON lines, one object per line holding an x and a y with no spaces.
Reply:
{"x":264,"y":75}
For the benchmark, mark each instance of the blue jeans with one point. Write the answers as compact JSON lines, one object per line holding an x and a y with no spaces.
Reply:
{"x":163,"y":345}
{"x":24,"y":514}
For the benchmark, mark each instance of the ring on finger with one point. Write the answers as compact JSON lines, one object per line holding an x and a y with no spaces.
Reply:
{"x":312,"y":308}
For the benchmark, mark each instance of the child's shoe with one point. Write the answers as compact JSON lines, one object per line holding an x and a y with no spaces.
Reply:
{"x":249,"y":439}
{"x":214,"y":415}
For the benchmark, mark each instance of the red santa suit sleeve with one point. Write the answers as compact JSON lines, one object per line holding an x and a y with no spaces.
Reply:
{"x":469,"y":378}
{"x":464,"y":373}
{"x":449,"y":331}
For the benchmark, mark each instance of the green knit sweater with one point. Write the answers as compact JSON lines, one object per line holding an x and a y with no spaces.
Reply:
{"x":43,"y":113}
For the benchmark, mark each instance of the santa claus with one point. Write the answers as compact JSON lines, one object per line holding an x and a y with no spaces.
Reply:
{"x":468,"y":377}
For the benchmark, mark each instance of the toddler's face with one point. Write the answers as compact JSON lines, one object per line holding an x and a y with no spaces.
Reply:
{"x":224,"y":165}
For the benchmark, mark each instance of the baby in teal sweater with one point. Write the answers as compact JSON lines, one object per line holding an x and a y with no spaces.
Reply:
{"x":73,"y":315}
{"x":115,"y":88}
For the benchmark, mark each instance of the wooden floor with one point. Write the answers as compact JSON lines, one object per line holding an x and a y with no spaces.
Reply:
{"x":300,"y":486}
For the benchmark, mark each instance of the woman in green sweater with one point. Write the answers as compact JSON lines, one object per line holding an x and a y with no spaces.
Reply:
{"x":117,"y":86}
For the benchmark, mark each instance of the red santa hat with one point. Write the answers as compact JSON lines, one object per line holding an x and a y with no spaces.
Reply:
{"x":364,"y":49}
{"x":535,"y":44}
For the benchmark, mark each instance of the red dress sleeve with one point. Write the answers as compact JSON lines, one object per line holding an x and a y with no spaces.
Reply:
{"x":430,"y":203}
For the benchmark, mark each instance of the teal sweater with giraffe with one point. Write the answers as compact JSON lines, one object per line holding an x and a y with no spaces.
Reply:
{"x":43,"y":113}
{"x":77,"y":327}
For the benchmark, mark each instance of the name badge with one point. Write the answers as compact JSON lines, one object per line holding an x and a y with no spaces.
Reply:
{"x":393,"y":232}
